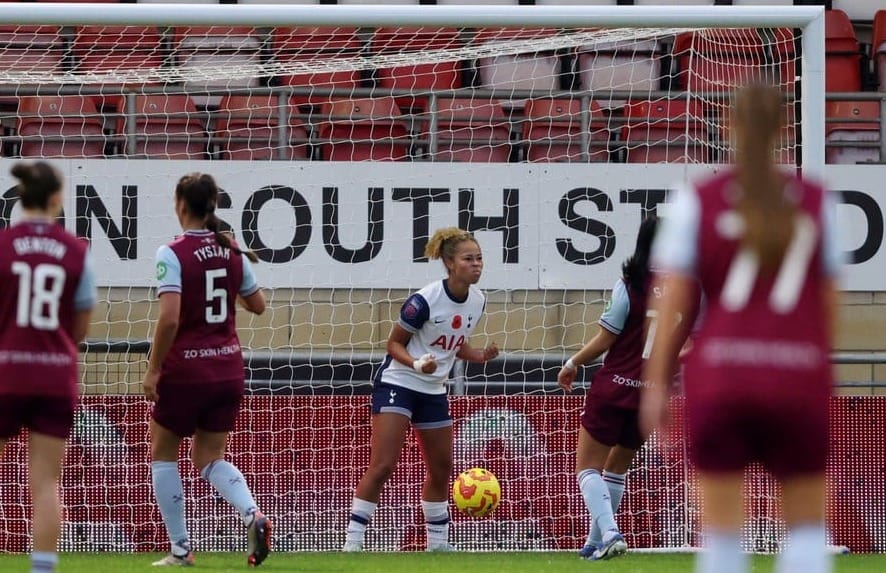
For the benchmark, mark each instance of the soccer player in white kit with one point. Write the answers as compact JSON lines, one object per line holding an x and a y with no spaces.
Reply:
{"x":410,"y":386}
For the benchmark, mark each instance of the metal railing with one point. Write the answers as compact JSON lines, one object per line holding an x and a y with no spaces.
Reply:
{"x":427,"y":138}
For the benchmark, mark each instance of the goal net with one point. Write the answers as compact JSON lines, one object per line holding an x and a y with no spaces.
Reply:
{"x":342,"y":138}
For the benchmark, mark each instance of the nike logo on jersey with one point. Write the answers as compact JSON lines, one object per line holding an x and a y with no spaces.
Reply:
{"x":439,"y":320}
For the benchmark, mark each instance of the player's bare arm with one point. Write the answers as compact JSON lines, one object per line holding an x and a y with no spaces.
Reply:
{"x":164,"y":335}
{"x":471,"y":354}
{"x":666,"y":346}
{"x":396,"y":347}
{"x":254,"y":303}
{"x":81,"y":325}
{"x":600,"y":343}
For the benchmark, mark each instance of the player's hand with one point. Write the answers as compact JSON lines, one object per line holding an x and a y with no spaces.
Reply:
{"x":566,"y":377}
{"x":427,"y":364}
{"x":490,"y":352}
{"x":149,"y":385}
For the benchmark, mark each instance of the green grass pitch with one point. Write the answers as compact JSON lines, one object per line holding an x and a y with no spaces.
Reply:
{"x":416,"y":562}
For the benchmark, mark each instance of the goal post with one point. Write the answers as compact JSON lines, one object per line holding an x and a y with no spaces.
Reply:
{"x":342,"y":136}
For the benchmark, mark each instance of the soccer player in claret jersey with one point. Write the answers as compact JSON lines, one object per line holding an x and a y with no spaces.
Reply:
{"x":195,"y":372}
{"x":47,"y":292}
{"x":410,"y":386}
{"x":609,"y":435}
{"x":757,"y":383}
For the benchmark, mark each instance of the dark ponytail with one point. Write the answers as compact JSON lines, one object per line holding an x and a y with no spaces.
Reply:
{"x":200,"y":193}
{"x":636,"y":268}
{"x":38,"y":181}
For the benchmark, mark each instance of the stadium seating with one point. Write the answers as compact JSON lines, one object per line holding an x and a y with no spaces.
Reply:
{"x":720,"y":60}
{"x":430,"y":76}
{"x":536,"y":71}
{"x":852,"y":121}
{"x":842,"y":55}
{"x":552,"y":131}
{"x":620,"y":66}
{"x":31,"y":48}
{"x":878,"y":48}
{"x":475,"y":130}
{"x":664,"y":131}
{"x":297,"y":47}
{"x":167,"y":126}
{"x":362,"y":130}
{"x":214,"y":50}
{"x":104,"y":49}
{"x":247,"y":127}
{"x":59,"y":126}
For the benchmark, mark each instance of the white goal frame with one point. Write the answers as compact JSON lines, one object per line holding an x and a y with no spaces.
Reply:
{"x":808,"y":19}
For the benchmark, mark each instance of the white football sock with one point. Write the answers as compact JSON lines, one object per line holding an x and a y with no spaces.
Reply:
{"x":722,"y":553}
{"x":230,"y":483}
{"x":806,"y":551}
{"x":616,"y":484}
{"x":43,"y":561}
{"x":597,"y":500}
{"x":170,"y":498}
{"x":361,"y":514}
{"x":436,"y":522}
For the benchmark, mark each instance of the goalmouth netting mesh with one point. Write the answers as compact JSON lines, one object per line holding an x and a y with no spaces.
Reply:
{"x":340,"y":147}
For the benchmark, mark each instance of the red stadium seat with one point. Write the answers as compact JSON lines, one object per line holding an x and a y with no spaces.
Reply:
{"x":552,"y":131}
{"x":432,"y":76}
{"x":878,"y":47}
{"x":842,"y":54}
{"x":60,"y":126}
{"x":299,"y":46}
{"x":166,"y":126}
{"x":105,"y":48}
{"x":30,"y":48}
{"x":215,"y":49}
{"x":721,"y":60}
{"x":470,"y":130}
{"x":248,"y":129}
{"x":664,"y":131}
{"x":849,"y":121}
{"x":633,"y":65}
{"x":366,"y":129}
{"x":529,"y":71}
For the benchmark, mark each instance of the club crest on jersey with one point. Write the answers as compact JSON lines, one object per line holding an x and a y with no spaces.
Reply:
{"x":411,"y":310}
{"x":456,"y":321}
{"x":450,"y":342}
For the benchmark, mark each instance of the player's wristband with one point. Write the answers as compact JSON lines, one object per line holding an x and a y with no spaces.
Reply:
{"x":417,"y":365}
{"x":569,"y":365}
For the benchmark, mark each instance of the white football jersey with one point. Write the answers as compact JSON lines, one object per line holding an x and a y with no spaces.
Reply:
{"x":440,"y":325}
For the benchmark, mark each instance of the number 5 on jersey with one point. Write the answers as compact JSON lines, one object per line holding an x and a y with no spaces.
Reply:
{"x":216,"y":296}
